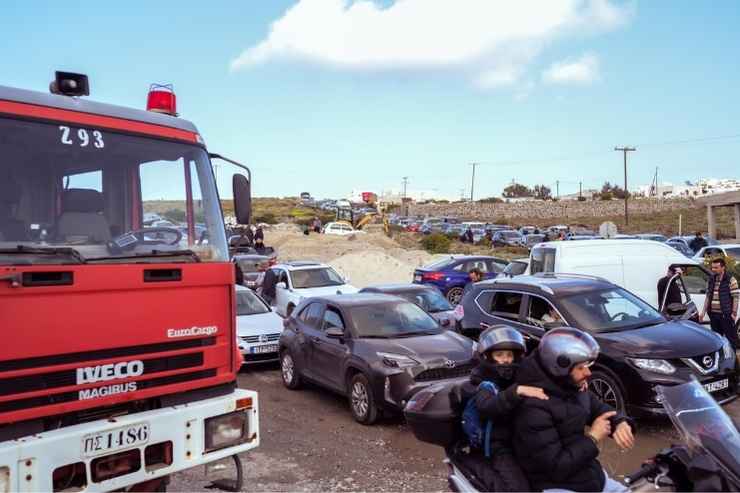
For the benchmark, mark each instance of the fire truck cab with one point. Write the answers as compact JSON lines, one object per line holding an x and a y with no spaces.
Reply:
{"x":119,"y":362}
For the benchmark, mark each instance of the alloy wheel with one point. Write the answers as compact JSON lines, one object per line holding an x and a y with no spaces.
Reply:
{"x":359,"y":399}
{"x":288,"y":368}
{"x":454,"y":295}
{"x":604,"y":391}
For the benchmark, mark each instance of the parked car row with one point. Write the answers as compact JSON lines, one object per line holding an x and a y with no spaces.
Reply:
{"x":381,"y":345}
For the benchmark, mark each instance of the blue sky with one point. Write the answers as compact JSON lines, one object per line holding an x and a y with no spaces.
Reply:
{"x":342,"y":95}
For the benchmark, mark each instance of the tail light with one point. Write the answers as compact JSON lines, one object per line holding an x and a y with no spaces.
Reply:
{"x":162,"y":99}
{"x":432,"y":276}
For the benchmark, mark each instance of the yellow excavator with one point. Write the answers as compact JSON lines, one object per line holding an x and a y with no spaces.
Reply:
{"x":358,"y":220}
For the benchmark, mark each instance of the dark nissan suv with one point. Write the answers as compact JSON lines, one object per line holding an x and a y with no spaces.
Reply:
{"x":639,"y":347}
{"x":376,"y":349}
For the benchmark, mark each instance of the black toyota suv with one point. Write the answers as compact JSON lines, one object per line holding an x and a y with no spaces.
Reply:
{"x":376,"y":349}
{"x":639,"y":347}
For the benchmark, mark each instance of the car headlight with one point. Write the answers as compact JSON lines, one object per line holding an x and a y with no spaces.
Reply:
{"x":654,"y":365}
{"x":226,"y":430}
{"x":727,"y":350}
{"x":397,"y":360}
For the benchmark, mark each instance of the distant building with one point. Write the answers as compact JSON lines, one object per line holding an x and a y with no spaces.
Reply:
{"x":702,"y":188}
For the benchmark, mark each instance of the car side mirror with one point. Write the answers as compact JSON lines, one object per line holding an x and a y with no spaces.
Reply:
{"x":334,"y":333}
{"x":281,"y":285}
{"x":242,"y":198}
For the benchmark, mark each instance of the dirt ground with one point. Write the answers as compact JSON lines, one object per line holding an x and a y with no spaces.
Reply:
{"x":311,"y":443}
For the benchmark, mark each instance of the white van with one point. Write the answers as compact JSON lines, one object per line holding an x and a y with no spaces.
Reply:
{"x":636,"y":265}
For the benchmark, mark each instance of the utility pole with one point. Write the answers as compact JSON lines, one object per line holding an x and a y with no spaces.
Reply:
{"x":557,"y":188}
{"x":625,"y":150}
{"x":405,"y":182}
{"x":580,"y":189}
{"x":472,"y":181}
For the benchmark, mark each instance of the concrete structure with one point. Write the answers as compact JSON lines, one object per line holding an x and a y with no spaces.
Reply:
{"x":728,"y":199}
{"x":702,"y":188}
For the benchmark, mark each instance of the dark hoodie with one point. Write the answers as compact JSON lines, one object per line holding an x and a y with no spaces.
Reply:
{"x":551,"y":445}
{"x":497,"y":407}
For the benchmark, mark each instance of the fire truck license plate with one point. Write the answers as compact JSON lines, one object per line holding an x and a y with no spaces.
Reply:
{"x":116,"y":439}
{"x":718,"y":385}
{"x":267,"y":348}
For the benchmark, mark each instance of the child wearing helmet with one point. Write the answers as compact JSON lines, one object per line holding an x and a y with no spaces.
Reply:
{"x":500,"y":348}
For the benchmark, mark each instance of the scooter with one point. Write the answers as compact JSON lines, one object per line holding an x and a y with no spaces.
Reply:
{"x":707,"y":460}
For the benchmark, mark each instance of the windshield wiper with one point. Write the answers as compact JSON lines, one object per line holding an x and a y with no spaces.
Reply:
{"x":414,"y":334}
{"x":152,"y":254}
{"x":374,"y":337}
{"x":52,"y":251}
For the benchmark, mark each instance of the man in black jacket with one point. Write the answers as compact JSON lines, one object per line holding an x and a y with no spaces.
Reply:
{"x":550,"y":443}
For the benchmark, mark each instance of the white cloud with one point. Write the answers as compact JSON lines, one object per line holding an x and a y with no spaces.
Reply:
{"x":584,"y":70}
{"x":491,"y":41}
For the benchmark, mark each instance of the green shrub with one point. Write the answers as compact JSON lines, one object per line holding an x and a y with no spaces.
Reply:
{"x":436,"y":243}
{"x":266,"y":217}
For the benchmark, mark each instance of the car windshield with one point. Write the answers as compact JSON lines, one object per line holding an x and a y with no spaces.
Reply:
{"x":105,"y":195}
{"x":610,"y":310}
{"x":509,"y":234}
{"x":392,"y":320}
{"x":316,"y":278}
{"x":429,"y":300}
{"x":733,"y":252}
{"x":248,"y":303}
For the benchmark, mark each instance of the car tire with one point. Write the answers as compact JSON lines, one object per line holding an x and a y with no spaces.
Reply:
{"x":454,"y":295}
{"x":289,"y":371}
{"x":361,"y":401}
{"x":289,"y":310}
{"x":607,"y":389}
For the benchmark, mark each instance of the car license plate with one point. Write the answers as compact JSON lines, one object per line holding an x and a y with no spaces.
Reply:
{"x":268,"y":348}
{"x":718,"y":385}
{"x":114,"y":440}
{"x":417,"y":278}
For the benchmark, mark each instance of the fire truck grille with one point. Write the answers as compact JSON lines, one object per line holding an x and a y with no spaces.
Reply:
{"x":47,"y":400}
{"x":44,"y":381}
{"x":139,"y":351}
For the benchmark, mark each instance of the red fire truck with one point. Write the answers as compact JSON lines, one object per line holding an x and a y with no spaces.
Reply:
{"x":116,"y":296}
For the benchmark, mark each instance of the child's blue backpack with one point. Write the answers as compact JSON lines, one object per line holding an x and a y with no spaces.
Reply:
{"x":478,"y":432}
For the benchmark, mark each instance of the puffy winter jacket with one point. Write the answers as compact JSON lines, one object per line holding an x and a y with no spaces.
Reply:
{"x":498,"y":407}
{"x":550,"y":442}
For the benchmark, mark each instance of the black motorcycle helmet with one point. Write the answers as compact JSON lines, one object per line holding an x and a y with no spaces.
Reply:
{"x":499,"y":338}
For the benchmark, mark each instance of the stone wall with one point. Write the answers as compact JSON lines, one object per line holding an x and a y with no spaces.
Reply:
{"x":548,"y":209}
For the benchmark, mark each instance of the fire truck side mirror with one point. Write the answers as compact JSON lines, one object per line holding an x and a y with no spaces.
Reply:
{"x":242,"y":199}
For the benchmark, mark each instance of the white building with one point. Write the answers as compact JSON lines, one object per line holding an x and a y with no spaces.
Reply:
{"x":702,"y":188}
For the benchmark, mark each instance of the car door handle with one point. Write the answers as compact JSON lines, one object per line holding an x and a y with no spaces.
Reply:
{"x":315,"y":339}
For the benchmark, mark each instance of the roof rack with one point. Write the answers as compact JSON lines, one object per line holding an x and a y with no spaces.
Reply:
{"x":555,"y":275}
{"x":302,"y":263}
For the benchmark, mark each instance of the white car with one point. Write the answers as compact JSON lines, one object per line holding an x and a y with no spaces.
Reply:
{"x":340,"y":229}
{"x":727,"y":249}
{"x":295,"y":281}
{"x":258,"y":327}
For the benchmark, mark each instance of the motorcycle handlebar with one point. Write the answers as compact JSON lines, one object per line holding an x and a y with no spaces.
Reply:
{"x":645,"y":470}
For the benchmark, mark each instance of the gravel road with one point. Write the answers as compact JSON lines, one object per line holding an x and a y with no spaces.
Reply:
{"x":311,"y":443}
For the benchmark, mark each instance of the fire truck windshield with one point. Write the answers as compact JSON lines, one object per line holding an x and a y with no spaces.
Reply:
{"x":70,"y":193}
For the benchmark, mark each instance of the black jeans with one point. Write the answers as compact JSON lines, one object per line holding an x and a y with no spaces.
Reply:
{"x":724,"y":325}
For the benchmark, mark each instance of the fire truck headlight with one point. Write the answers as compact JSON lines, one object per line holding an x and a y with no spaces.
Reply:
{"x":4,"y":480}
{"x":226,"y":430}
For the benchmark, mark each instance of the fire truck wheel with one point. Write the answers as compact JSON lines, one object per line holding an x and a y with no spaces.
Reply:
{"x":289,"y":371}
